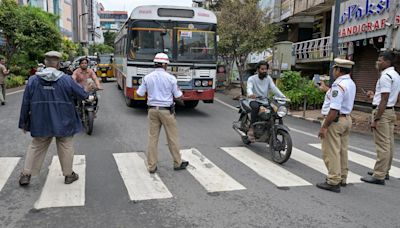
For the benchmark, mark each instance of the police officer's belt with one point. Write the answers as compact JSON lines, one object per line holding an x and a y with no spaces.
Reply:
{"x":159,"y":108}
{"x":376,"y":106}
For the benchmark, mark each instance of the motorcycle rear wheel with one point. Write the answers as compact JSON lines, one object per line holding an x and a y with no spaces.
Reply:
{"x":280,"y":147}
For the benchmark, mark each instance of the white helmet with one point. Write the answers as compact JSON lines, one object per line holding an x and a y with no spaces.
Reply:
{"x":161,"y":58}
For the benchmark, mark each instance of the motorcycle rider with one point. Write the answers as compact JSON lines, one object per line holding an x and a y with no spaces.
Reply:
{"x":259,"y":85}
{"x":83,"y":73}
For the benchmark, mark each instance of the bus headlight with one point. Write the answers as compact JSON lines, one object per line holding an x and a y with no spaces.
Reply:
{"x":282,"y":111}
{"x":204,"y":83}
{"x":197,"y":83}
{"x":140,"y":81}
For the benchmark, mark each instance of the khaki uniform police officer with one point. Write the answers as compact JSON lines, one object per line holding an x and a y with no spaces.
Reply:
{"x":335,"y":129}
{"x":384,"y":117}
{"x":161,"y":88}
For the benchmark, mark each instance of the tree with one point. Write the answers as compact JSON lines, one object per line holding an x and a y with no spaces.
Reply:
{"x":243,"y":28}
{"x":100,"y":49}
{"x":30,"y":32}
{"x":69,"y":49}
{"x":109,"y":38}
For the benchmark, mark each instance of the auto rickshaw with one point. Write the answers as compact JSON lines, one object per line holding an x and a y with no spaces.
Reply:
{"x":105,"y":67}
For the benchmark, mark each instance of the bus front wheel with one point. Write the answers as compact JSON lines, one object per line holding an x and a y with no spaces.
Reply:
{"x":129,"y":102}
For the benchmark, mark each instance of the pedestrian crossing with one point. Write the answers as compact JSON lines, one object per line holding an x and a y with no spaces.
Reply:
{"x":7,"y":165}
{"x":141,"y":185}
{"x":57,"y":194}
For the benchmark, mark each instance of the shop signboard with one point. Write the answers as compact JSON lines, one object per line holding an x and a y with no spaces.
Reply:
{"x":363,"y":19}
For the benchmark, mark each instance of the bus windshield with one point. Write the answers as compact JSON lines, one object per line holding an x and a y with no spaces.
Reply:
{"x":196,"y":45}
{"x":146,"y":42}
{"x":184,"y":42}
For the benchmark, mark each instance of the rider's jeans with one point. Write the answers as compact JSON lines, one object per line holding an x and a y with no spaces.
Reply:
{"x":255,"y":108}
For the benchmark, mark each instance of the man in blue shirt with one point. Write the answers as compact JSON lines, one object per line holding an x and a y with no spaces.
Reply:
{"x":48,"y":111}
{"x":161,"y":88}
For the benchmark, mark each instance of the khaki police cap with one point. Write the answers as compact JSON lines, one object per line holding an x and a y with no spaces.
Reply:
{"x":344,"y":63}
{"x":53,"y":54}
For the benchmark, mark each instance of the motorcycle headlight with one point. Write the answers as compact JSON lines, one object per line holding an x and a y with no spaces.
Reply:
{"x":197,"y":83}
{"x":282,"y":111}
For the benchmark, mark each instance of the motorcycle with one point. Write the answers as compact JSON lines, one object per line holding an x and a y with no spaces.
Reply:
{"x":87,"y":110}
{"x":268,"y":128}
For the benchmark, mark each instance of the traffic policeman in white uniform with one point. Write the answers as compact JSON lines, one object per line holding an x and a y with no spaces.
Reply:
{"x":335,"y":129}
{"x":161,"y":88}
{"x":384,"y":117}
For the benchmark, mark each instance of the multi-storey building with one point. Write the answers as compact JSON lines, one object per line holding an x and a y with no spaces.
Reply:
{"x":112,"y":20}
{"x":62,"y":8}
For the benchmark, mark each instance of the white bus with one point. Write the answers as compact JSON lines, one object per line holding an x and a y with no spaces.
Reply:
{"x":187,"y":35}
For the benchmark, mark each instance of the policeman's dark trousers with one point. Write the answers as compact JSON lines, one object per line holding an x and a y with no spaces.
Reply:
{"x":335,"y":150}
{"x":255,"y":108}
{"x":384,"y":142}
{"x":37,"y":152}
{"x":158,"y":118}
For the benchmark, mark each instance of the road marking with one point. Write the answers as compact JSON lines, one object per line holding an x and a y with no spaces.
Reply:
{"x":7,"y":165}
{"x":307,"y":133}
{"x":319,"y":165}
{"x":141,"y":185}
{"x":208,"y":174}
{"x":18,"y":91}
{"x":226,"y":104}
{"x":265,"y":168}
{"x":57,"y":194}
{"x":365,"y":161}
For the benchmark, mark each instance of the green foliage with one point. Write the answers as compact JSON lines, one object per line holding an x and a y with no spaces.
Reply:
{"x":100,"y":49}
{"x":296,"y":88}
{"x":15,"y":81}
{"x":109,"y":38}
{"x":69,"y":49}
{"x":30,"y":32}
{"x":243,"y":28}
{"x":291,"y":80}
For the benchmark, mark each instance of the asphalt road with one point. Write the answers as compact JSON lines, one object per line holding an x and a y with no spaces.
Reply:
{"x":119,"y":129}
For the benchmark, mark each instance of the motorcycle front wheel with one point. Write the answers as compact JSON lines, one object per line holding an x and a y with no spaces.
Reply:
{"x":280,"y":147}
{"x":89,"y":122}
{"x":244,"y":126}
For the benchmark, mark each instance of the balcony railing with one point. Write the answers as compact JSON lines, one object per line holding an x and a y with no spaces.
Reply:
{"x":317,"y":50}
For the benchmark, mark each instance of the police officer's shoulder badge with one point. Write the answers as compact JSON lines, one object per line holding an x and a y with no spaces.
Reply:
{"x":335,"y":93}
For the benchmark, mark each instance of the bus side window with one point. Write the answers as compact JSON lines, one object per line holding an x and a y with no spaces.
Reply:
{"x":133,"y":46}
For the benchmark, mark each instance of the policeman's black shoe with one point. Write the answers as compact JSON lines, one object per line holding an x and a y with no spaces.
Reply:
{"x":183,"y":165}
{"x":3,"y":103}
{"x":373,"y":180}
{"x":24,"y":179}
{"x":372,"y":173}
{"x":153,"y":171}
{"x":329,"y":187}
{"x":71,"y":178}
